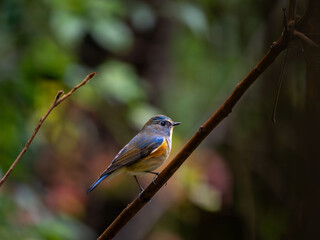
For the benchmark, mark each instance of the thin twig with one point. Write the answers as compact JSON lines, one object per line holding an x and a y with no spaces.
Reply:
{"x":197,"y":138}
{"x":57,"y":100}
{"x":275,"y":105}
{"x":304,"y":38}
{"x":285,"y":22}
{"x":292,"y":10}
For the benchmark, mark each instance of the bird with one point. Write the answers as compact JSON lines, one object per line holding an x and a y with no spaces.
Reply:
{"x":144,"y":153}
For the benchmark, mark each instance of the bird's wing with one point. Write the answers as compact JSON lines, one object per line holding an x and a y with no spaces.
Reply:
{"x":138,"y":148}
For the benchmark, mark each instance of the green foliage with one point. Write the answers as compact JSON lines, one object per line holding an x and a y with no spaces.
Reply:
{"x":179,"y":58}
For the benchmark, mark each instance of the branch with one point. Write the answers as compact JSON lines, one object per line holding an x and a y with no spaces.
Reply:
{"x":130,"y":211}
{"x":304,"y":38}
{"x":292,"y":9}
{"x":57,"y":100}
{"x":275,"y":105}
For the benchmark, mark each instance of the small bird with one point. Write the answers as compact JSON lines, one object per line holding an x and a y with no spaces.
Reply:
{"x":144,"y":153}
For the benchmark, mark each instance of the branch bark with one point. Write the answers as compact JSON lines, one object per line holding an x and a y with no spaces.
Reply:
{"x":57,"y":100}
{"x":226,"y":108}
{"x":305,"y":39}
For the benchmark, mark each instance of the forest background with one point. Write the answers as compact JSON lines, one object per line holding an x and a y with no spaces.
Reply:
{"x":250,"y":179}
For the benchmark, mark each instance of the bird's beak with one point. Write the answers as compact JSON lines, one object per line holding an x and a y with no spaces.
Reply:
{"x":176,"y":123}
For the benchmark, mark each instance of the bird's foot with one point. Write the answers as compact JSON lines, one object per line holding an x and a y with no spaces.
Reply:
{"x":154,"y":180}
{"x":143,"y":200}
{"x":141,"y":193}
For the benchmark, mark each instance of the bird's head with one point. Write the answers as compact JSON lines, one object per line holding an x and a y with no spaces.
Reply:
{"x":160,"y":123}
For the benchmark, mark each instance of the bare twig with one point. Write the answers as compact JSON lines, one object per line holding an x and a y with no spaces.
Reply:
{"x":275,"y":105}
{"x":304,"y":38}
{"x":285,"y":22}
{"x":198,"y":137}
{"x":285,"y":25}
{"x":57,"y":100}
{"x":292,"y":9}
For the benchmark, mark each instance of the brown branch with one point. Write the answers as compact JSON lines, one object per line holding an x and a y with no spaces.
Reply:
{"x":276,"y":48}
{"x":304,"y":38}
{"x":57,"y":100}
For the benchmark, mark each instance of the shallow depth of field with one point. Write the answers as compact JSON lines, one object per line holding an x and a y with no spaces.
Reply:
{"x":250,"y":179}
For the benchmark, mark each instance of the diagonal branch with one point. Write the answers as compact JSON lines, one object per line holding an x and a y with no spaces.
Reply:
{"x":130,"y":211}
{"x":57,"y":100}
{"x":305,"y":39}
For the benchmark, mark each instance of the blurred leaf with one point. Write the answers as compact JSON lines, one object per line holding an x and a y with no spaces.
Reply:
{"x":119,"y":80}
{"x":113,"y":35}
{"x":74,"y":6}
{"x":205,"y":196}
{"x":46,"y":58}
{"x":100,"y":9}
{"x":68,"y":28}
{"x":199,"y":190}
{"x":143,"y":17}
{"x":192,"y":16}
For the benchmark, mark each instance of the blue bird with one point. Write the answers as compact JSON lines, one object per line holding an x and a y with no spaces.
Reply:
{"x":144,"y":153}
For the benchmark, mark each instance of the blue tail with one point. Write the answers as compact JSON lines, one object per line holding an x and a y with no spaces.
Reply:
{"x":93,"y":186}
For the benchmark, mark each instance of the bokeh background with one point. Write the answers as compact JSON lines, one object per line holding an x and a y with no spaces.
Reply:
{"x":250,"y":179}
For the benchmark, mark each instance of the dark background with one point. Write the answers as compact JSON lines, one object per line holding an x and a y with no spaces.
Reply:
{"x":250,"y":179}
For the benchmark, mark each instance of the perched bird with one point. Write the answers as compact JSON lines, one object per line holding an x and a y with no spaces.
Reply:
{"x":144,"y":153}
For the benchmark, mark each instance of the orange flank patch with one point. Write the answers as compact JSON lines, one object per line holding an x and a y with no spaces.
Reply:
{"x":160,"y":151}
{"x":151,"y":162}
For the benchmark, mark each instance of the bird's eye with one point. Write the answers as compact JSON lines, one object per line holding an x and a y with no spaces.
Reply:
{"x":163,"y":123}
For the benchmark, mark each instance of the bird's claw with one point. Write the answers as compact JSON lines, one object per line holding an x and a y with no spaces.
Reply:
{"x":139,"y":196}
{"x":154,"y":180}
{"x":140,"y":193}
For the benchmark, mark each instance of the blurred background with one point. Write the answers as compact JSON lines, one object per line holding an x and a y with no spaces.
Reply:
{"x":250,"y":179}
